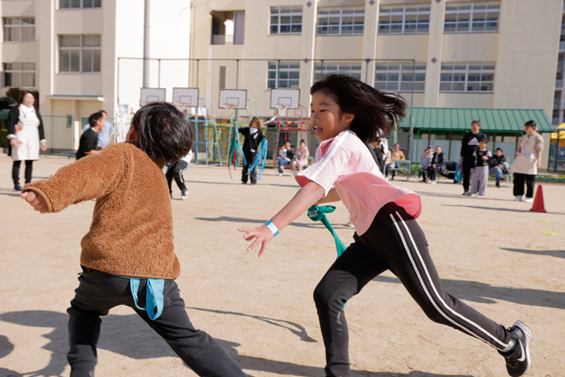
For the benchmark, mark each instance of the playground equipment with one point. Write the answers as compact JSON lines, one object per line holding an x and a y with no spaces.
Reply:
{"x":232,"y":99}
{"x":282,"y":100}
{"x":188,"y":102}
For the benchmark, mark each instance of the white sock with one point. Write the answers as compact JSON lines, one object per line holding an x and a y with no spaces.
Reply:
{"x":511,"y":345}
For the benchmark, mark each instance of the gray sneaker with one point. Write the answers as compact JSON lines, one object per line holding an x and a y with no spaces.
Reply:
{"x":518,"y":360}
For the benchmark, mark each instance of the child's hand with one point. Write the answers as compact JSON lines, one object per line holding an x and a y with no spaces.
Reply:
{"x":34,"y":200}
{"x":262,"y":235}
{"x":485,"y":158}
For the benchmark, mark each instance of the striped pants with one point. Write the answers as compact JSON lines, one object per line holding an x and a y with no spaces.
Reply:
{"x":394,"y":242}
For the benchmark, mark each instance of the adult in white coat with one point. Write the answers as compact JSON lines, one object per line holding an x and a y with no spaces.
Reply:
{"x":527,"y":162}
{"x":26,"y":134}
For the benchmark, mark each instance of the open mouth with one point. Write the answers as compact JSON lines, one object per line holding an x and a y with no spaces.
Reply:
{"x":317,"y":130}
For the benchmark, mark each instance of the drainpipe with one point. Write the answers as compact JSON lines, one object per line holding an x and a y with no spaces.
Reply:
{"x":146,"y":44}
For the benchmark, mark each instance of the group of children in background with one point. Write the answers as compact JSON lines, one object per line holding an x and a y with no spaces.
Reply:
{"x":297,"y":159}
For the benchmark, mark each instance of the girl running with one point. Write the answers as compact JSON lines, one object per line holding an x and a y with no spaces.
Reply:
{"x":346,"y":114}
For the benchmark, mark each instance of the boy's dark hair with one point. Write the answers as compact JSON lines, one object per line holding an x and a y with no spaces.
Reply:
{"x":374,"y":111}
{"x":499,"y":149}
{"x":163,"y":132}
{"x":93,"y":118}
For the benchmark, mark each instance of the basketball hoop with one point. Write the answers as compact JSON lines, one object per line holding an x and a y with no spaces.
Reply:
{"x":281,"y":107}
{"x":230,"y":107}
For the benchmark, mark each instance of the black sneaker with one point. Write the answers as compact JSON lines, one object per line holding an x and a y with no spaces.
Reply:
{"x":518,"y":360}
{"x":184,"y":194}
{"x":497,"y":184}
{"x":17,"y":187}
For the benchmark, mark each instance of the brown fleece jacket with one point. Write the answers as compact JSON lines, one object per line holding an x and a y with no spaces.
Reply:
{"x":132,"y":225}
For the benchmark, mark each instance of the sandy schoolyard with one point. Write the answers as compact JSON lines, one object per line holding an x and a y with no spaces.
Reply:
{"x":489,"y":252}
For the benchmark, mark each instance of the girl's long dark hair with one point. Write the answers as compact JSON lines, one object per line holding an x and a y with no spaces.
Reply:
{"x":375,"y":111}
{"x":163,"y":132}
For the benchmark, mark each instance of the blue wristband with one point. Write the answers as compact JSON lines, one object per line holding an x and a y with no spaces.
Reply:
{"x":272,"y":227}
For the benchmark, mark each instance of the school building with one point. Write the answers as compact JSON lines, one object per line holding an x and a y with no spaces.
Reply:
{"x":83,"y":55}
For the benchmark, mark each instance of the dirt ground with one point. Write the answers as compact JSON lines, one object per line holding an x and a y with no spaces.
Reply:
{"x":489,"y":252}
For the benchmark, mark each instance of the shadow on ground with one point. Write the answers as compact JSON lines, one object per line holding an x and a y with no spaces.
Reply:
{"x":551,"y":253}
{"x":486,"y":293}
{"x":123,"y":335}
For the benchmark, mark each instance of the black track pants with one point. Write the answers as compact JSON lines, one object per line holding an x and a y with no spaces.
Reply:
{"x":16,"y":171}
{"x":519,"y":180}
{"x":175,"y":172}
{"x":249,"y":158}
{"x":467,"y":166}
{"x":98,"y":292}
{"x":394,"y":242}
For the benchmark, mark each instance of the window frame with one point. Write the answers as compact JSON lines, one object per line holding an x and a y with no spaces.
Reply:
{"x":19,"y":26}
{"x":467,"y":72}
{"x":81,"y":4}
{"x":81,"y":50}
{"x":403,"y":13}
{"x":471,"y":12}
{"x":277,"y":70}
{"x":341,"y":15}
{"x":280,"y":14}
{"x":318,"y":73}
{"x":21,"y":71}
{"x":403,"y":69}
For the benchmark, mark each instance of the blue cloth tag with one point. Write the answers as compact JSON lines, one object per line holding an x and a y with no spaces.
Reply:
{"x":154,"y":295}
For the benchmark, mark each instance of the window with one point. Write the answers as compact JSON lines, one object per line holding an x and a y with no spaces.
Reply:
{"x":467,"y":77}
{"x":471,"y":17}
{"x":404,"y":19}
{"x":286,"y":20}
{"x":288,"y":75}
{"x":78,"y":4}
{"x":398,"y":77}
{"x":18,"y":29}
{"x":341,"y":21}
{"x":79,"y":53}
{"x":21,"y":75}
{"x":350,"y":68}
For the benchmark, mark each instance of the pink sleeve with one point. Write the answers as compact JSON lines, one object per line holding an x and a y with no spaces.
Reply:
{"x":325,"y":170}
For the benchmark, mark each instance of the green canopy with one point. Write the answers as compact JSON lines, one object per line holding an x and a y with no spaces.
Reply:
{"x":492,"y":120}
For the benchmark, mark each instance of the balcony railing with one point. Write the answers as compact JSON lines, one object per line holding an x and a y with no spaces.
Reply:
{"x":222,"y":39}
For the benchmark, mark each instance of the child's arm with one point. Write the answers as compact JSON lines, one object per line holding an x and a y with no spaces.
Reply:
{"x":86,"y":179}
{"x":304,"y":199}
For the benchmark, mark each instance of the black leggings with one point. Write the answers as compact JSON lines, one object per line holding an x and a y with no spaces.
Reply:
{"x":99,"y":292}
{"x":16,"y":171}
{"x":175,"y":172}
{"x":519,"y":180}
{"x":394,"y":242}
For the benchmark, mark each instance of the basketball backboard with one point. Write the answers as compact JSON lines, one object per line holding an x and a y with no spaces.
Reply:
{"x":233,"y":97}
{"x":152,"y":95}
{"x":289,"y":98}
{"x":187,"y":97}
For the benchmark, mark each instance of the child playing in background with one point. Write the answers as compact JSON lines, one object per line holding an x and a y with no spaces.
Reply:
{"x":301,"y":158}
{"x":498,"y":166}
{"x":128,"y":251}
{"x":253,"y":137}
{"x":175,"y":172}
{"x":89,"y":138}
{"x":346,"y":114}
{"x":285,"y":156}
{"x":480,"y":169}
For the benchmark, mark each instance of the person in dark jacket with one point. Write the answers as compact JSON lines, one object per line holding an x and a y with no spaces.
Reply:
{"x":498,"y":166}
{"x":26,"y":135}
{"x":469,"y":145}
{"x":437,"y":161}
{"x":253,"y":137}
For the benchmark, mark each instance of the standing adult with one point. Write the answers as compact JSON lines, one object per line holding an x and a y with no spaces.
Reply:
{"x":469,"y":145}
{"x":105,"y":135}
{"x":527,"y":162}
{"x":26,"y":134}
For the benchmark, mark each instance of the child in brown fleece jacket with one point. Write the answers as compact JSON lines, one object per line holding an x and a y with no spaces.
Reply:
{"x":127,"y":256}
